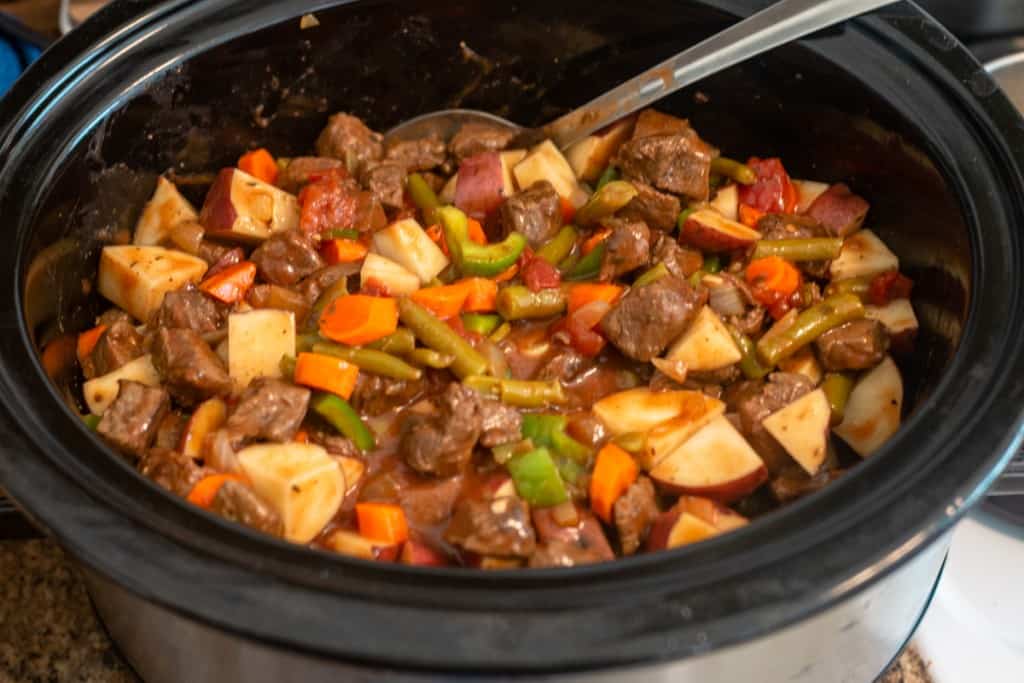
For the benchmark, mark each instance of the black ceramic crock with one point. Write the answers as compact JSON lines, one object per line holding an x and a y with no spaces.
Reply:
{"x":889,"y":103}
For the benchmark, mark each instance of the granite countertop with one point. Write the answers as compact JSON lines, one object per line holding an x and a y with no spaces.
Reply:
{"x":48,"y":631}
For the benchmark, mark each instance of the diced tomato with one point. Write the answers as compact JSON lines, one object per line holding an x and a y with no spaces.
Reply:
{"x":374,"y":287}
{"x":568,"y":210}
{"x":480,"y":187}
{"x":330,"y":202}
{"x":888,"y":287}
{"x":773,"y":192}
{"x":581,"y":326}
{"x":538,"y":274}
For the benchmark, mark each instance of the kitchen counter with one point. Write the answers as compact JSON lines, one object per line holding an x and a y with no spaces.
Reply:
{"x":48,"y":631}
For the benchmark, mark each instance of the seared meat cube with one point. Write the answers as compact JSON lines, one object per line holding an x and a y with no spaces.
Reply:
{"x":301,"y":170}
{"x":386,"y":181}
{"x":563,"y":554}
{"x":280,"y":298}
{"x":131,"y":422}
{"x":568,"y":546}
{"x":431,"y":503}
{"x":170,"y":431}
{"x":501,"y":423}
{"x":441,"y":443}
{"x":839,"y":210}
{"x":374,"y":394}
{"x":680,"y":261}
{"x":332,"y":441}
{"x":634,"y":512}
{"x":474,"y":138}
{"x":499,"y":527}
{"x":794,"y":483}
{"x":119,"y":344}
{"x":270,"y":410}
{"x":212,"y":252}
{"x":113,"y":315}
{"x":173,"y":470}
{"x":645,"y":321}
{"x":754,"y":401}
{"x":188,"y":308}
{"x":287,"y":257}
{"x":237,"y":502}
{"x":856,"y":345}
{"x":670,"y":158}
{"x":188,"y":366}
{"x":536,"y":212}
{"x":658,"y":210}
{"x":347,"y":138}
{"x":564,"y":365}
{"x":422,"y":154}
{"x":626,"y":249}
{"x":317,"y":283}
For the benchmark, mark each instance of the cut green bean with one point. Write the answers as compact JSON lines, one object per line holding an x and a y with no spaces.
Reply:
{"x":423,"y":197}
{"x":837,"y":388}
{"x":346,"y":234}
{"x":532,"y":394}
{"x":288,"y":366}
{"x":430,"y":358}
{"x":809,"y":249}
{"x":560,"y":246}
{"x":481,"y":323}
{"x":653,"y":275}
{"x":340,"y":415}
{"x":435,"y":334}
{"x":610,"y":174}
{"x":808,"y":326}
{"x":370,"y":360}
{"x":328,"y":297}
{"x":588,"y":266}
{"x":730,"y":168}
{"x":859,"y":286}
{"x":399,"y":342}
{"x":749,"y":365}
{"x":606,"y":201}
{"x":484,"y":385}
{"x":503,"y":331}
{"x":712,"y":263}
{"x":304,"y":342}
{"x":517,"y":302}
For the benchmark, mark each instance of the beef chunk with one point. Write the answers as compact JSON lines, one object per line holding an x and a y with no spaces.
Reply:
{"x":270,"y":410}
{"x":564,"y":365}
{"x":431,"y":503}
{"x":188,"y":308}
{"x":188,"y":366}
{"x":170,"y":431}
{"x":174,"y":471}
{"x":131,"y":421}
{"x":794,"y":483}
{"x":317,"y":283}
{"x":856,"y":345}
{"x":347,"y":138}
{"x":562,"y":554}
{"x":119,"y":344}
{"x":333,"y":442}
{"x":839,"y":210}
{"x":421,"y":154}
{"x":212,"y":252}
{"x":501,"y":423}
{"x":671,"y":158}
{"x":653,"y":122}
{"x":776,"y":226}
{"x":113,"y":315}
{"x":287,"y":257}
{"x":680,"y":261}
{"x":441,"y":443}
{"x":658,"y":210}
{"x":474,"y":138}
{"x":386,"y":181}
{"x":627,"y":248}
{"x":498,"y":527}
{"x":581,"y":544}
{"x":754,"y":401}
{"x":634,"y":512}
{"x":374,"y":394}
{"x":645,"y":321}
{"x":301,"y":170}
{"x":280,"y":298}
{"x":536,"y":212}
{"x":237,"y":502}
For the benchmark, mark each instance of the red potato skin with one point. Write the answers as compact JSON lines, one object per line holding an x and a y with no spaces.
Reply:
{"x":715,"y":514}
{"x":725,"y":493}
{"x":385,"y":553}
{"x":481,"y":184}
{"x":838,"y":209}
{"x":218,"y":214}
{"x":420,"y":555}
{"x":657,"y":537}
{"x":711,"y":238}
{"x":588,"y":533}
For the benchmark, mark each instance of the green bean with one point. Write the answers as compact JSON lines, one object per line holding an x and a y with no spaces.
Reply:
{"x":684,"y":215}
{"x":653,"y":275}
{"x":567,"y":264}
{"x":809,"y":249}
{"x":712,"y":263}
{"x":697,"y":278}
{"x":606,"y":201}
{"x":329,"y":296}
{"x":287,"y":366}
{"x":611,"y":173}
{"x":370,"y":360}
{"x":588,"y":266}
{"x":741,"y":173}
{"x":809,"y":325}
{"x":859,"y":286}
{"x":837,"y":388}
{"x":343,"y":418}
{"x":749,"y":365}
{"x":399,"y":342}
{"x":423,"y":197}
{"x":345,"y":234}
{"x":527,"y":394}
{"x":503,"y":331}
{"x":517,"y":302}
{"x":559,"y":246}
{"x":482,"y":384}
{"x":430,"y":358}
{"x":304,"y":342}
{"x":435,"y":334}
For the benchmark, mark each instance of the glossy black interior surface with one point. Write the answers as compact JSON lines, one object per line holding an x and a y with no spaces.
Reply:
{"x":916,"y":127}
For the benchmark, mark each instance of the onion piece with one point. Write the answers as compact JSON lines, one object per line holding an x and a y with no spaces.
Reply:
{"x":496,"y":362}
{"x":725,"y":297}
{"x":187,"y":236}
{"x":674,"y":369}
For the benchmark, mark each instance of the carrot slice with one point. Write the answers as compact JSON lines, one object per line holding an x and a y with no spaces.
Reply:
{"x":773,"y":274}
{"x":482,"y":295}
{"x":476,"y":231}
{"x":614,"y":472}
{"x":231,"y":284}
{"x":436,"y":234}
{"x":591,"y":242}
{"x":445,"y":301}
{"x":507,"y":274}
{"x":259,"y":163}
{"x":343,"y":251}
{"x":382,"y":522}
{"x":586,"y":292}
{"x":359,"y":319}
{"x":749,"y":216}
{"x":59,"y":356}
{"x":205,"y":490}
{"x":328,"y":373}
{"x":568,"y":210}
{"x":87,"y":341}
{"x":301,"y":436}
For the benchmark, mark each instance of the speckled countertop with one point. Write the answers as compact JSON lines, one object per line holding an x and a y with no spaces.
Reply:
{"x":49,"y":633}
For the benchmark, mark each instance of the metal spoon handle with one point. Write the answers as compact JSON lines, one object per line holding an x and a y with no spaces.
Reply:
{"x":780,"y":23}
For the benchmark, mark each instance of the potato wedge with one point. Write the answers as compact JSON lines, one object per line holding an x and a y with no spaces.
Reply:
{"x":164,"y":211}
{"x":257,"y":341}
{"x":802,"y":429}
{"x":245,"y":209}
{"x":590,"y":156}
{"x":101,"y":391}
{"x":863,"y":255}
{"x":136,"y":278}
{"x":706,"y":344}
{"x":545,"y":162}
{"x":638,"y":410}
{"x":873,"y":410}
{"x":666,"y":437}
{"x":407,"y":244}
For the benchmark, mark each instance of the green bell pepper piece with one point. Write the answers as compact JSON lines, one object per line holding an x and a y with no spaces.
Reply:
{"x":560,"y":246}
{"x":423,"y":196}
{"x":589,"y":266}
{"x":347,"y":234}
{"x":548,"y":431}
{"x":476,"y":259}
{"x":536,"y":478}
{"x":345,"y":419}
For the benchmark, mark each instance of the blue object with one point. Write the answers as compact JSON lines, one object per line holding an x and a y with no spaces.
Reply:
{"x":15,"y":56}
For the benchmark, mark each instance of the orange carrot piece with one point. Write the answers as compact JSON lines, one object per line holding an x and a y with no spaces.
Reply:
{"x":319,"y":371}
{"x":445,"y":301}
{"x":343,"y":251}
{"x":382,"y":522}
{"x":87,"y":341}
{"x":482,"y":295}
{"x":359,"y":319}
{"x":749,"y":216}
{"x":774,"y":274}
{"x":476,"y":231}
{"x":594,"y":240}
{"x":261,"y":164}
{"x":205,"y":490}
{"x":436,"y":234}
{"x":614,"y":472}
{"x":568,"y":210}
{"x":507,"y":274}
{"x":586,"y":292}
{"x":301,"y":436}
{"x":58,"y":356}
{"x":231,"y":284}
